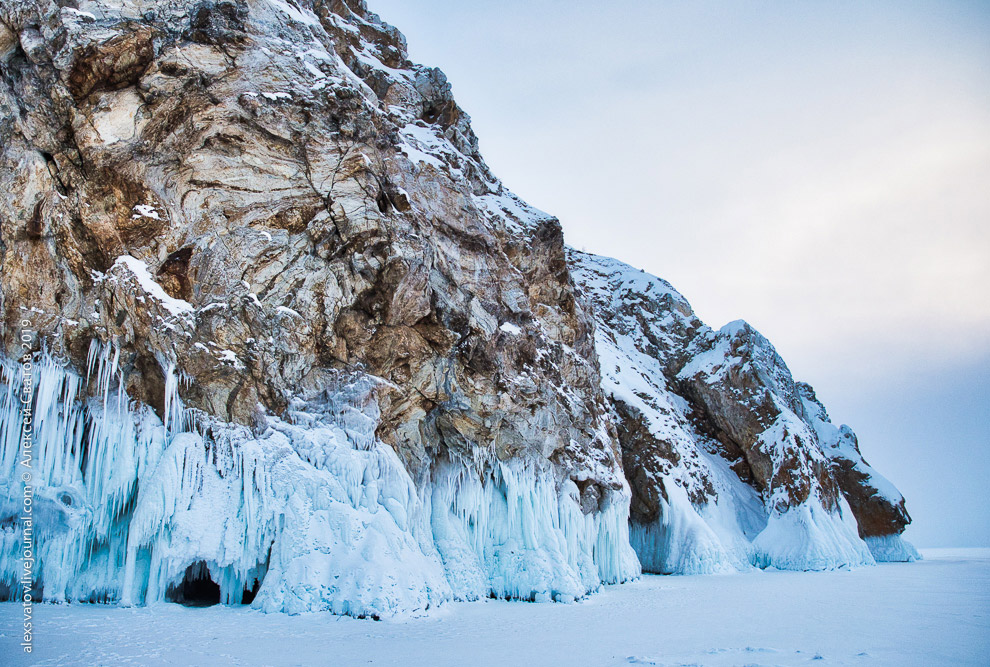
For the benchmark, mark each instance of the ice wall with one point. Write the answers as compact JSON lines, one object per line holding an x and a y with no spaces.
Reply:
{"x":493,"y":533}
{"x":312,"y":513}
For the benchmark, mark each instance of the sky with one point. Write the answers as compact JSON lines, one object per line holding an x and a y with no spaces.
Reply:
{"x":821,"y":170}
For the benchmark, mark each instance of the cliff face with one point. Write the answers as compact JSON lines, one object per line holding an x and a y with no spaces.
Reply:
{"x":299,"y":342}
{"x":263,"y":209}
{"x":306,"y":198}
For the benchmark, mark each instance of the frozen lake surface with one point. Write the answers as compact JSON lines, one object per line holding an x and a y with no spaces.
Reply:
{"x":932,"y":612}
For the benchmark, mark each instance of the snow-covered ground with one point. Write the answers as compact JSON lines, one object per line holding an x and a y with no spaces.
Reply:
{"x":934,"y":612}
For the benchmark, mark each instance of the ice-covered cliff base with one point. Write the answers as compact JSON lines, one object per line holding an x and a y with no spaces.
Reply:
{"x":311,"y":512}
{"x":711,"y":540}
{"x":892,"y":549}
{"x":314,"y":513}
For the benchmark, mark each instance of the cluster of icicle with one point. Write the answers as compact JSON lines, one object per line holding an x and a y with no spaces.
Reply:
{"x":313,"y":513}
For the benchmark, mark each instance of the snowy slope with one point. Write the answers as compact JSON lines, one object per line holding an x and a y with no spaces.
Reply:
{"x":728,"y":466}
{"x":691,"y":515}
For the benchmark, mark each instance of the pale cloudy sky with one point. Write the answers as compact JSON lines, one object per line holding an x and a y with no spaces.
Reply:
{"x":820,"y":169}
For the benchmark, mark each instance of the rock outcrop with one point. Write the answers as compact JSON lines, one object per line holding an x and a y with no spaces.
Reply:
{"x":295,"y":345}
{"x":878,"y":505}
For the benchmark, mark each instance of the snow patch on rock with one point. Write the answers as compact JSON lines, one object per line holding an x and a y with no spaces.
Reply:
{"x":141,"y":274}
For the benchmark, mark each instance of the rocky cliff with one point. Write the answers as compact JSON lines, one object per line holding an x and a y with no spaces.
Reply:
{"x":730,"y":461}
{"x":295,"y":345}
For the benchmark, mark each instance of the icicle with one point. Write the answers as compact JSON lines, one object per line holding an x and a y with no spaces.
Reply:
{"x":173,"y":407}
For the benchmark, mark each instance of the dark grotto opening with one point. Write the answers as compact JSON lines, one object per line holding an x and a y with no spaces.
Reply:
{"x":250,"y":592}
{"x":196,"y":588}
{"x":255,"y":578}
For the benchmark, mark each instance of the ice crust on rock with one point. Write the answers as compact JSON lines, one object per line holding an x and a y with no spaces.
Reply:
{"x":494,"y":537}
{"x":809,"y":537}
{"x":892,"y":549}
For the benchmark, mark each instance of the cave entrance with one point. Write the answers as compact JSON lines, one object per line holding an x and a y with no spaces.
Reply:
{"x":250,"y":591}
{"x":196,"y":588}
